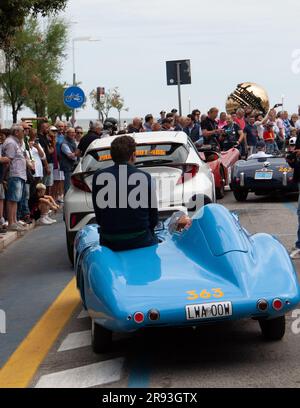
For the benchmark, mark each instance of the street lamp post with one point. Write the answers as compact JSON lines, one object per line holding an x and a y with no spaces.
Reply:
{"x":89,"y":39}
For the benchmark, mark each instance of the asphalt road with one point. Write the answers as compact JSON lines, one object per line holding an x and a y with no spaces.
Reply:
{"x":223,"y":355}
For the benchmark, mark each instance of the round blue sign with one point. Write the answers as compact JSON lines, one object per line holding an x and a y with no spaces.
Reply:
{"x":74,"y":97}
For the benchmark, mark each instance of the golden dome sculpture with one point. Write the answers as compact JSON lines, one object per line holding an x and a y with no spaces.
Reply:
{"x":248,"y":94}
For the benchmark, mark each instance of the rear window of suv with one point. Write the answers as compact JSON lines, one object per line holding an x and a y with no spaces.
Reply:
{"x":148,"y":154}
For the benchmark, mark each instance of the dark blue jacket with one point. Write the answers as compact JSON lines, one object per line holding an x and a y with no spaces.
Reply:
{"x":67,"y":164}
{"x":193,"y":133}
{"x":123,"y":220}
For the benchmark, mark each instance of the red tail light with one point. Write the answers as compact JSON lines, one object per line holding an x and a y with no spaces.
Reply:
{"x":78,"y":182}
{"x":139,"y":317}
{"x":277,"y":304}
{"x":189,"y":171}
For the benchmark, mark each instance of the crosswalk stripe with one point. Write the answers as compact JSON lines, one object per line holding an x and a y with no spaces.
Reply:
{"x":76,"y":340}
{"x":83,"y":377}
{"x":22,"y":365}
{"x":83,"y":314}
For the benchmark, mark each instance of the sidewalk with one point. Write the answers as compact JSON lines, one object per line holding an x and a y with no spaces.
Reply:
{"x":12,"y":236}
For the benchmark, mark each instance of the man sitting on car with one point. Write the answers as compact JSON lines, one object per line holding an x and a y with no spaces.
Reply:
{"x":261,"y":151}
{"x":124,"y":200}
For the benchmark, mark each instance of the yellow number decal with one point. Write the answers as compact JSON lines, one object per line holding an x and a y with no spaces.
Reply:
{"x":204,"y":294}
{"x":193,"y":295}
{"x":217,"y":293}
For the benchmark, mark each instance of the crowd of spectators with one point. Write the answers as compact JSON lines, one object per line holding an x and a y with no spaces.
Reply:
{"x":35,"y":172}
{"x":36,"y":165}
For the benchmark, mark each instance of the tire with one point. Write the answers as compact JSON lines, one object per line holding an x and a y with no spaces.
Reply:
{"x":70,"y":248}
{"x":220,"y":192}
{"x":101,"y":338}
{"x":273,"y":329}
{"x":240,"y":195}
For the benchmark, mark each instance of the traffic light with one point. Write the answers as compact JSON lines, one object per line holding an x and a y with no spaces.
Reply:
{"x":100,"y":94}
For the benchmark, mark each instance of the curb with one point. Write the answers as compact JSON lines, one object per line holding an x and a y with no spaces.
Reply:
{"x":12,"y":236}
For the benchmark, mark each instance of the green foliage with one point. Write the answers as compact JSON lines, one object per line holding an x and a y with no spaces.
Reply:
{"x":33,"y":63}
{"x":14,"y":12}
{"x":55,"y":103}
{"x":113,"y":99}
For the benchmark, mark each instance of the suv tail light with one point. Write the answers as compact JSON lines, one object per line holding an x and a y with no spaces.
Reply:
{"x":188,"y":171}
{"x":78,"y":181}
{"x":75,"y":218}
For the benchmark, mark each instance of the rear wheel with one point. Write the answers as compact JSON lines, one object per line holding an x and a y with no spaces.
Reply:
{"x":273,"y":329}
{"x":240,"y":195}
{"x":70,"y":247}
{"x":220,"y":191}
{"x":101,"y":338}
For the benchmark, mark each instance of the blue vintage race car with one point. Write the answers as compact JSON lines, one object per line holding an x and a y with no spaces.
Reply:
{"x":212,"y":272}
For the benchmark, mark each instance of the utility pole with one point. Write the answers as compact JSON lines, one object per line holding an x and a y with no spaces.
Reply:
{"x":179,"y":87}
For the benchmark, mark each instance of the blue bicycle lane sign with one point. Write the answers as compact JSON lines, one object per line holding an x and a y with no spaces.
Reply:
{"x":74,"y":97}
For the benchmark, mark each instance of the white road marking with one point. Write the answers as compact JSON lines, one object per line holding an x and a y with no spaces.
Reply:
{"x":83,"y":377}
{"x":83,"y":314}
{"x":76,"y":340}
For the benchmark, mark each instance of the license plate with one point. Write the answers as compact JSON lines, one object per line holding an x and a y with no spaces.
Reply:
{"x":208,"y":310}
{"x":263,"y":175}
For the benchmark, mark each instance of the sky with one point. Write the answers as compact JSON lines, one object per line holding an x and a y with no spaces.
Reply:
{"x":227,"y":41}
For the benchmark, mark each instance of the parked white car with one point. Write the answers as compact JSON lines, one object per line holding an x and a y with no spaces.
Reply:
{"x":170,"y":157}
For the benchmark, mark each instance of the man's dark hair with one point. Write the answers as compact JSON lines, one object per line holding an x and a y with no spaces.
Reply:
{"x":122,"y":149}
{"x":170,"y":115}
{"x":196,"y":112}
{"x":5,"y":132}
{"x":148,"y":118}
{"x":166,"y":120}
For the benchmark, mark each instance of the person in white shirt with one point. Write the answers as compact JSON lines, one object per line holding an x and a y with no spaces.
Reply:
{"x":37,"y":154}
{"x":261,"y":151}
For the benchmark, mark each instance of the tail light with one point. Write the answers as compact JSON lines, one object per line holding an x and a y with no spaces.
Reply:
{"x":75,"y":218}
{"x":138,"y":317}
{"x":262,"y":305}
{"x":188,"y":171}
{"x":277,"y":304}
{"x":153,"y":315}
{"x":79,"y":182}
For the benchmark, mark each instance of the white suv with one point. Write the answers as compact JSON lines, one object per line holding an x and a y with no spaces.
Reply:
{"x":167,"y":156}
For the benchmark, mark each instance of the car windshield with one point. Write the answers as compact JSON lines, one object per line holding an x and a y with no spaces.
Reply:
{"x":146,"y":154}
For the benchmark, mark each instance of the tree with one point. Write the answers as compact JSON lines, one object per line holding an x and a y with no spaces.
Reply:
{"x":104,"y":107}
{"x":55,"y":104}
{"x":112,"y":99}
{"x":33,"y":63}
{"x":17,"y":69}
{"x":14,"y":12}
{"x":49,"y":54}
{"x":118,"y":103}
